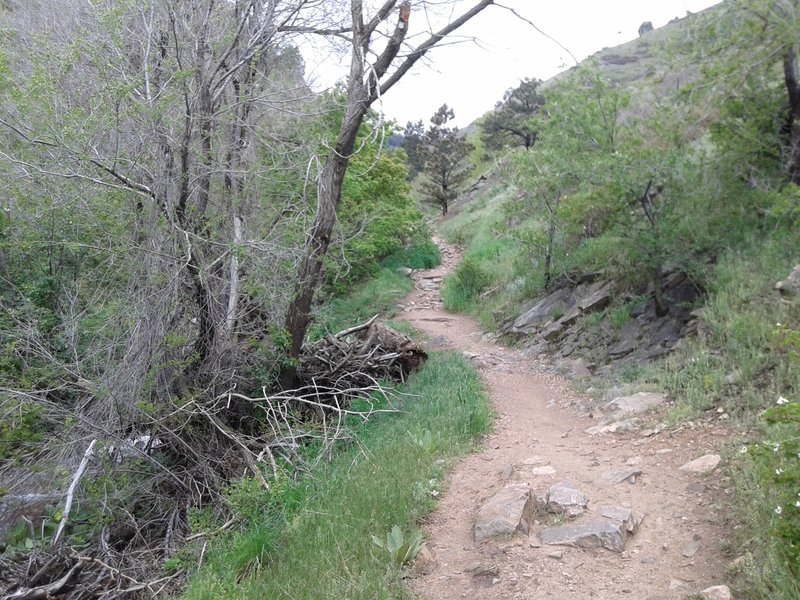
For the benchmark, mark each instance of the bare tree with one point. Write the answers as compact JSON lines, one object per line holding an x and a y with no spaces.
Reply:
{"x":372,"y":73}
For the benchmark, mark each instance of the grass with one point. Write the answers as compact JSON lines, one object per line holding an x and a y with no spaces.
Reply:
{"x":378,"y":295}
{"x":318,"y":543}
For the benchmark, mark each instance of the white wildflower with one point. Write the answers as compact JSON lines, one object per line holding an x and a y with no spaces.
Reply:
{"x":743,"y":450}
{"x":778,"y":471}
{"x":778,"y":510}
{"x":781,"y":400}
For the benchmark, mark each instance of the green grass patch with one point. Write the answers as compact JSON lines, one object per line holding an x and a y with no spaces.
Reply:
{"x":423,"y":254}
{"x":378,"y":295}
{"x":317,"y":542}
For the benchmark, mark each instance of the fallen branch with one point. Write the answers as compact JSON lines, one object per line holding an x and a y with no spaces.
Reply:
{"x":71,"y":492}
{"x":46,"y":592}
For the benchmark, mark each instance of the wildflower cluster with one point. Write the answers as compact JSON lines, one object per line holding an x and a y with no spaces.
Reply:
{"x":778,"y":463}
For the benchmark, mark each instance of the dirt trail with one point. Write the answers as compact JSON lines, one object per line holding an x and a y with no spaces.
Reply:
{"x":676,"y":551}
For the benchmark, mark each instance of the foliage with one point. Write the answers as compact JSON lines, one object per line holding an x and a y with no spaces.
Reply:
{"x":400,"y":549}
{"x":340,"y":508}
{"x":377,"y":215}
{"x":511,"y":122}
{"x":413,"y":139}
{"x":379,"y":294}
{"x":445,"y":155}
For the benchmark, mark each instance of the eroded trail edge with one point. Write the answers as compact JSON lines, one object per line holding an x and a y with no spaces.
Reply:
{"x":540,"y":440}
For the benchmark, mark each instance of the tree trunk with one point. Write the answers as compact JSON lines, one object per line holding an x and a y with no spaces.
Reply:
{"x":793,"y":117}
{"x":362,"y":91}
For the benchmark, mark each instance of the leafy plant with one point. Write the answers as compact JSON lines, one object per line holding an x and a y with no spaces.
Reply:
{"x":400,"y":550}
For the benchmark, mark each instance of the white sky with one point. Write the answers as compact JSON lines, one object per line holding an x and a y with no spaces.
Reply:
{"x":473,"y":75}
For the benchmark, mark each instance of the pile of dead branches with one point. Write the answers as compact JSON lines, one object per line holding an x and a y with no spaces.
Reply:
{"x":64,"y":573}
{"x":359,"y":356}
{"x":184,"y":456}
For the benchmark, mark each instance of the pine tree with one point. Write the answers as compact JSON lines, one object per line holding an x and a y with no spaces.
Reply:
{"x":445,"y":153}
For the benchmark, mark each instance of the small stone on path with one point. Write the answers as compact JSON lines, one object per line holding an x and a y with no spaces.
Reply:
{"x":704,"y":464}
{"x":543,"y":471}
{"x":620,"y":475}
{"x":717,"y":592}
{"x":690,"y":549}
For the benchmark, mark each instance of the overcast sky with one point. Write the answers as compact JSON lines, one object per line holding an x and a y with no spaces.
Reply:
{"x":472,"y":76}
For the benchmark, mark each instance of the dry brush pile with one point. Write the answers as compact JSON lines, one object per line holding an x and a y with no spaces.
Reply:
{"x":101,"y":521}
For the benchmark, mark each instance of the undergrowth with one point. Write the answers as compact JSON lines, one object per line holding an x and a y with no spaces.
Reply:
{"x":313,"y":537}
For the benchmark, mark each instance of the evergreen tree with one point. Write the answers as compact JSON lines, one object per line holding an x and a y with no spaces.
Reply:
{"x":510,"y":122}
{"x":445,"y":154}
{"x":413,"y":136}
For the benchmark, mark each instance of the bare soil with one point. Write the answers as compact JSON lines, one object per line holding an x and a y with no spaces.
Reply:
{"x":541,"y":422}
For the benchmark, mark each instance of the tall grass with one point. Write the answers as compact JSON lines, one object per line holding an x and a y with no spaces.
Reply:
{"x":321,"y":546}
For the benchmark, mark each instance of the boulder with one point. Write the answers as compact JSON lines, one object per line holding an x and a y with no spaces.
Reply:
{"x":717,"y":592}
{"x":507,"y":513}
{"x":577,"y":368}
{"x":564,"y":499}
{"x":704,"y":464}
{"x":628,"y":340}
{"x":645,"y":28}
{"x":790,"y":287}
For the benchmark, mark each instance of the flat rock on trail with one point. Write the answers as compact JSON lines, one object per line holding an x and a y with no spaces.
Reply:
{"x":539,"y":439}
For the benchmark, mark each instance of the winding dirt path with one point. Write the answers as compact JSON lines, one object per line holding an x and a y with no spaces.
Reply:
{"x":677,"y":550}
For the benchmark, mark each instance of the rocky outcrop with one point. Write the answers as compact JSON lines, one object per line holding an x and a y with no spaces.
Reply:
{"x":555,"y":324}
{"x":790,"y":287}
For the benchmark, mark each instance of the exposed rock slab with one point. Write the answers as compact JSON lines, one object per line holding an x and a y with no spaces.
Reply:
{"x":610,"y":530}
{"x":564,"y":499}
{"x":507,"y":513}
{"x":543,"y":310}
{"x":704,"y":464}
{"x":626,"y":406}
{"x":598,"y":299}
{"x":625,"y":425}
